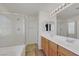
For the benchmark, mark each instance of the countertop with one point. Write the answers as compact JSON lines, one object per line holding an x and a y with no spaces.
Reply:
{"x":68,"y":43}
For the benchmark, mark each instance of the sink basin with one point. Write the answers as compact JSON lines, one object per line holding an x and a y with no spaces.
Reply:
{"x":70,"y":40}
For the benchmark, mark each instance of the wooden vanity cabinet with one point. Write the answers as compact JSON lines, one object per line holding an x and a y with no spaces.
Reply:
{"x":52,"y":51}
{"x":64,"y":52}
{"x":44,"y":45}
{"x":48,"y":47}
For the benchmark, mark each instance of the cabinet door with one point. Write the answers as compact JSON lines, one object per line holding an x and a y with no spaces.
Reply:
{"x":60,"y":53}
{"x":64,"y":52}
{"x":44,"y":45}
{"x":52,"y":49}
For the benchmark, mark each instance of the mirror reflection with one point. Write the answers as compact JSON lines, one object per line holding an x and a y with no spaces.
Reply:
{"x":68,"y":22}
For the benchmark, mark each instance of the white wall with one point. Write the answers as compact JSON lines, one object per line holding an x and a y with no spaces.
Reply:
{"x":9,"y":33}
{"x":32,"y":29}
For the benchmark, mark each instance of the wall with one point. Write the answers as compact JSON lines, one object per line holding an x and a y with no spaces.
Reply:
{"x":11,"y":30}
{"x":32,"y":29}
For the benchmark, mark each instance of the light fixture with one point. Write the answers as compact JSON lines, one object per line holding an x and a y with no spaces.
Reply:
{"x":60,"y":8}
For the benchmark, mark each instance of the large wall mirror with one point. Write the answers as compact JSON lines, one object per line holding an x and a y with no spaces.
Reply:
{"x":68,"y":22}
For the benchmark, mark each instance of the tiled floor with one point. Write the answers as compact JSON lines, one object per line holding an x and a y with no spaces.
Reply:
{"x":32,"y":50}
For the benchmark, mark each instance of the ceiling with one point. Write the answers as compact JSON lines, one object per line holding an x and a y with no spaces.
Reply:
{"x":69,"y":12}
{"x":30,"y":8}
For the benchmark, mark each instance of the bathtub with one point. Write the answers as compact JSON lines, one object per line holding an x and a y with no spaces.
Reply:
{"x":12,"y":50}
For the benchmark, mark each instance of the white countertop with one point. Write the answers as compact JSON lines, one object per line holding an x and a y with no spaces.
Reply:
{"x":68,"y":43}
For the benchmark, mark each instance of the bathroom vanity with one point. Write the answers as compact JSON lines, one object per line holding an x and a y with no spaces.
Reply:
{"x":51,"y":48}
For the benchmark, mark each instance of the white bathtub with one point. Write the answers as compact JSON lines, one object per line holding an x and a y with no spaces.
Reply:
{"x":12,"y":50}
